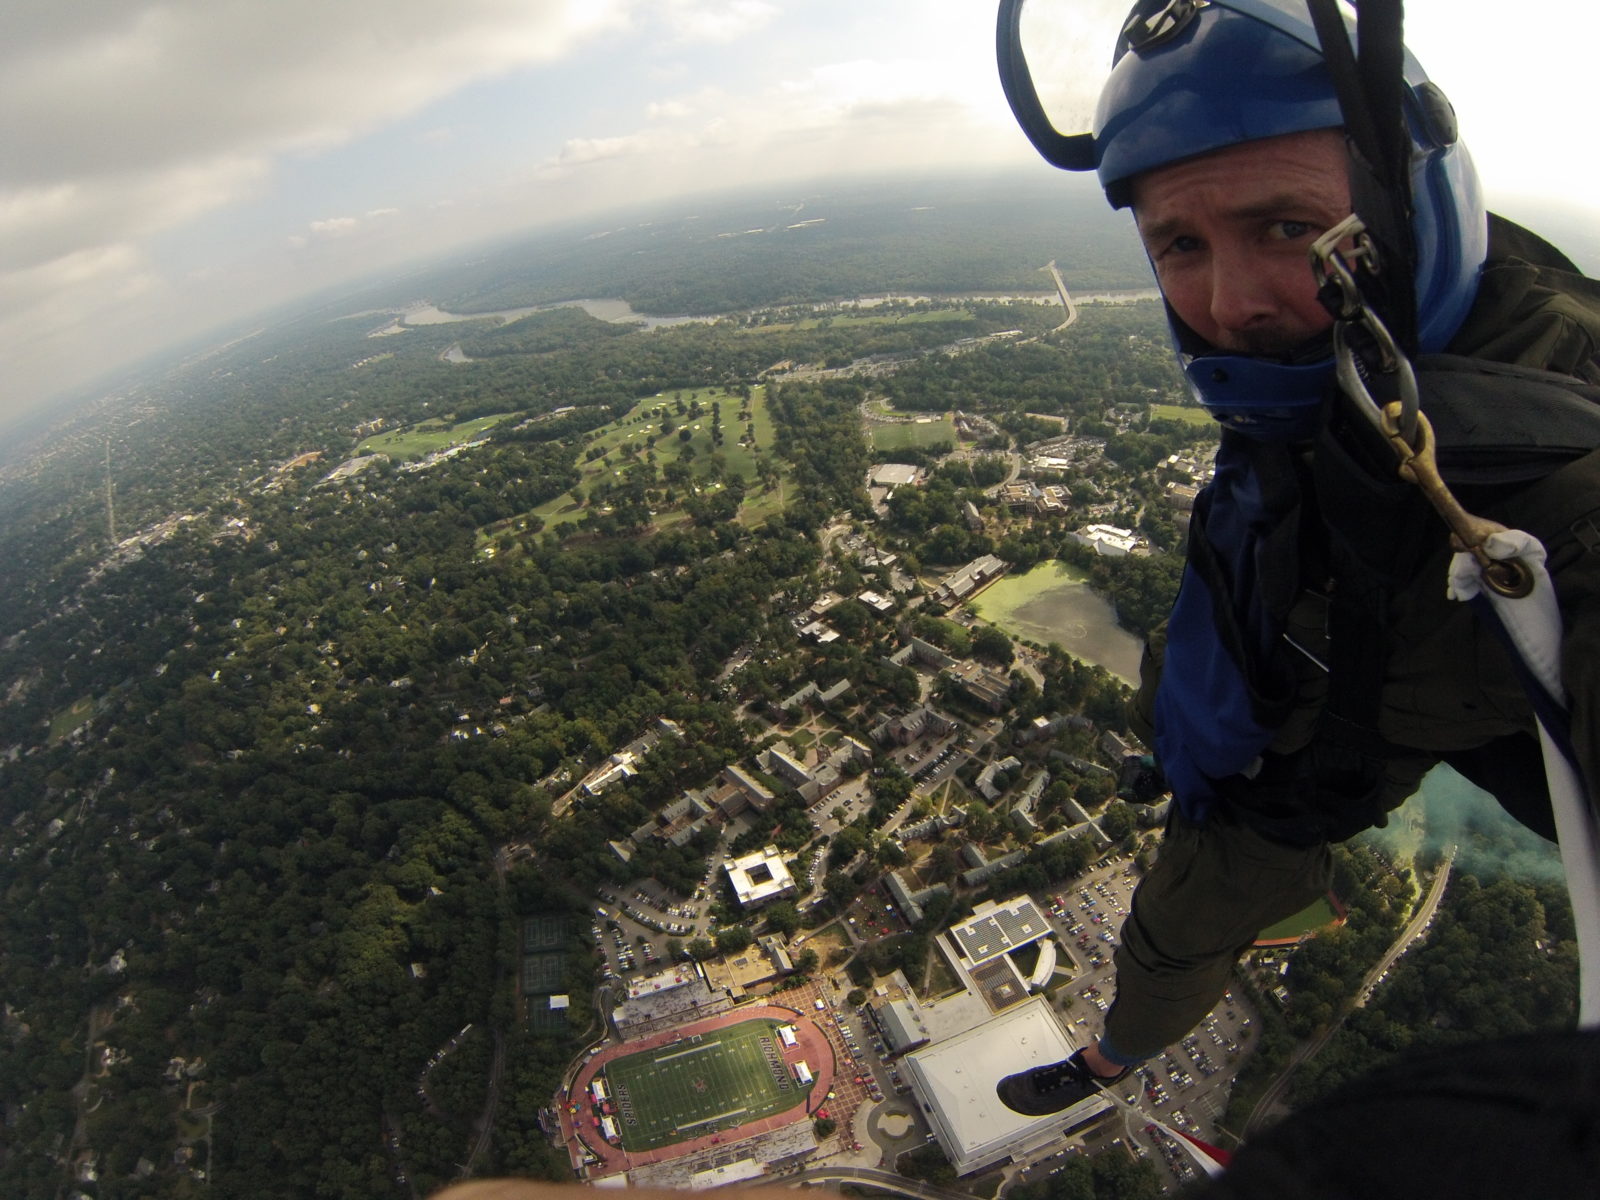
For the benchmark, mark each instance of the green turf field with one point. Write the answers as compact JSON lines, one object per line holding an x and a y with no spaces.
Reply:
{"x":1317,"y":916}
{"x":703,"y":1084}
{"x":416,"y":441}
{"x":1180,"y":412}
{"x":913,"y":435}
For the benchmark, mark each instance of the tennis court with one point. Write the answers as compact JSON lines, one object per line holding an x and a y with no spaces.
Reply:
{"x":701,"y":1085}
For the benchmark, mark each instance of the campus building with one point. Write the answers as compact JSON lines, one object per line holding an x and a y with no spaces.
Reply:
{"x":954,"y":1081}
{"x":761,"y":877}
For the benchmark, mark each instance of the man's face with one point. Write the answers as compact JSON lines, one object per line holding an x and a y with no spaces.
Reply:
{"x":1228,"y":234}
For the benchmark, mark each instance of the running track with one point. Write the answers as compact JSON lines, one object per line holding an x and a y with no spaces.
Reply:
{"x":813,"y":1047}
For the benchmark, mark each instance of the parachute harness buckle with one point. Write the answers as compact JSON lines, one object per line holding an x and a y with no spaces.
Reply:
{"x":1365,"y":353}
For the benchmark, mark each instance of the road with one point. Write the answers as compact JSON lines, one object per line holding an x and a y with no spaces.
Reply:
{"x":485,"y":1122}
{"x":1066,"y":299}
{"x":1271,"y":1107}
{"x":885,"y":1181}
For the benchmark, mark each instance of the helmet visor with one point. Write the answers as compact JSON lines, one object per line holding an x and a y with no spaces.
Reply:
{"x":1056,"y":55}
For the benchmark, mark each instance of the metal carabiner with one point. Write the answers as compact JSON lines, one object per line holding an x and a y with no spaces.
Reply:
{"x":1401,"y":422}
{"x":1339,"y":292}
{"x":1354,"y":383}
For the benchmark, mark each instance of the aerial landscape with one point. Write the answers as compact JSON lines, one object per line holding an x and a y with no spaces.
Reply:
{"x":442,"y":721}
{"x":571,"y":581}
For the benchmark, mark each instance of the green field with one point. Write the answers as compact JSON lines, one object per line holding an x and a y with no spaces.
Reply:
{"x":613,"y":448}
{"x":1180,"y":412}
{"x":1317,"y":916}
{"x":703,"y":1084}
{"x":416,"y":441}
{"x":69,"y":719}
{"x":914,"y":435}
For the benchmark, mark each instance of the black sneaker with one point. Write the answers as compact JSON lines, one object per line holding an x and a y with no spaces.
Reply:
{"x":1046,"y":1090}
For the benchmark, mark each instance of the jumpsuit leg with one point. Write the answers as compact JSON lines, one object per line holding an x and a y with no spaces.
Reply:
{"x":1211,"y":891}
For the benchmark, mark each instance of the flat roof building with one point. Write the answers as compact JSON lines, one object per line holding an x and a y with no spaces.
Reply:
{"x":995,"y":928}
{"x":954,"y":1081}
{"x":760,"y":877}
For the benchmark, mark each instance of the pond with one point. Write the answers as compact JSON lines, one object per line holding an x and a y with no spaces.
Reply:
{"x":1051,"y":603}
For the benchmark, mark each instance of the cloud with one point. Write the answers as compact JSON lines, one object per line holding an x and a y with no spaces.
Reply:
{"x":124,"y":120}
{"x":727,"y":21}
{"x":581,"y":152}
{"x":43,"y":221}
{"x":44,"y":308}
{"x":327,"y":229}
{"x":105,"y":90}
{"x":668,"y":110}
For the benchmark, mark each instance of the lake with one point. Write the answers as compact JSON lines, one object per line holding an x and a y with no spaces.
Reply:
{"x":1051,"y":603}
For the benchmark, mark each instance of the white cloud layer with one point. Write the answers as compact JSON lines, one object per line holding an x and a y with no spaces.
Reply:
{"x":126,"y":120}
{"x":723,"y":21}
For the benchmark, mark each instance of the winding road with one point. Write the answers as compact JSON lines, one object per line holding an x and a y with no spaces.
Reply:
{"x":1271,"y":1106}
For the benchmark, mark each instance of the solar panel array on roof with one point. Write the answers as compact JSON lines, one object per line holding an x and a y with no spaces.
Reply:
{"x":1020,"y":927}
{"x":1004,"y":929}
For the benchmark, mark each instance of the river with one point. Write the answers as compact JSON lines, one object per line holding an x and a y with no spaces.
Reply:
{"x":605,"y":310}
{"x":1052,"y":604}
{"x":424,"y":313}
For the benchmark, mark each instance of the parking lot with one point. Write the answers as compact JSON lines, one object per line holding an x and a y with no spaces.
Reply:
{"x":1187,"y":1086}
{"x":648,"y":911}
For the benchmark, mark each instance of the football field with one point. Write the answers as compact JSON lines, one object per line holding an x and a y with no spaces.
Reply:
{"x":703,"y":1084}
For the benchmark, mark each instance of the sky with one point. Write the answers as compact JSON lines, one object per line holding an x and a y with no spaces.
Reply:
{"x":166,"y":168}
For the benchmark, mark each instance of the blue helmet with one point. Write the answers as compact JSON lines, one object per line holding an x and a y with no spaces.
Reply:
{"x":1193,"y":76}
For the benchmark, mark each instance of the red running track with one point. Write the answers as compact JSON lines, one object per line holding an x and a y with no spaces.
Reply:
{"x":813,"y":1046}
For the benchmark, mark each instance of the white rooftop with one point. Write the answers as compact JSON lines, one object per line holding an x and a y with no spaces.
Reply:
{"x":955,"y":1080}
{"x":760,"y":876}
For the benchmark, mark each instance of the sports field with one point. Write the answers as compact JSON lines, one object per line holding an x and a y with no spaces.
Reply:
{"x":702,"y":1084}
{"x":1319,"y":915}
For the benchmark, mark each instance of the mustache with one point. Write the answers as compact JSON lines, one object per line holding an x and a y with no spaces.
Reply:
{"x":1275,"y":343}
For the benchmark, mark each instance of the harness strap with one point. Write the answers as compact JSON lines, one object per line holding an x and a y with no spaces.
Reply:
{"x":1370,"y":89}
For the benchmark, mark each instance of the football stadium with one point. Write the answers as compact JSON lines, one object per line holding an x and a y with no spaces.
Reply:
{"x":703,"y":1083}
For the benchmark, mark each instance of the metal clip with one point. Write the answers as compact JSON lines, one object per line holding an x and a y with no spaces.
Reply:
{"x":1419,"y":465}
{"x":1391,"y":362}
{"x":1332,"y":265}
{"x":1401,"y":422}
{"x":1338,"y":289}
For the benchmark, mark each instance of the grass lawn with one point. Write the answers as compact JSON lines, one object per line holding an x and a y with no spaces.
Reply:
{"x":939,"y":979}
{"x":949,"y":794}
{"x":633,"y":431}
{"x":1181,"y":412}
{"x":915,"y":435}
{"x":705,"y":1083}
{"x":1318,"y":916}
{"x":417,"y":441}
{"x":759,"y":506}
